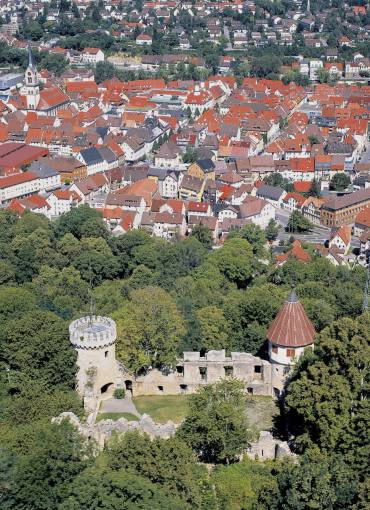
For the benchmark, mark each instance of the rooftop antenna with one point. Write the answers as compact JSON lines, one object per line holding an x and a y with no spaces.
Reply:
{"x":365,"y":304}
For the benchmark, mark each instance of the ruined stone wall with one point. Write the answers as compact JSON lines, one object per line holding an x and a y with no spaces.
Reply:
{"x":195,"y":370}
{"x":265,"y":448}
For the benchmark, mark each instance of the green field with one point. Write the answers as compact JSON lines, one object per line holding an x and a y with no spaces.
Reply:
{"x":163,"y":408}
{"x":116,"y":416}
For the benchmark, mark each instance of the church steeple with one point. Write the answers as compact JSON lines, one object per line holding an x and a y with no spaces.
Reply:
{"x":31,"y":60}
{"x":32,"y":82}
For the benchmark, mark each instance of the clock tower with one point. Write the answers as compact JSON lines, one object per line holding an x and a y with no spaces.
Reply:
{"x":32,"y":82}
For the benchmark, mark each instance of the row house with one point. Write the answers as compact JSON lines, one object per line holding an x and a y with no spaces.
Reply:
{"x":164,"y":224}
{"x":253,"y":209}
{"x":168,"y":181}
{"x":18,"y":186}
{"x":311,"y":209}
{"x":61,"y":201}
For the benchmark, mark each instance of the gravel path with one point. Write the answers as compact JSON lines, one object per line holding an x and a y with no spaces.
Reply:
{"x":115,"y":405}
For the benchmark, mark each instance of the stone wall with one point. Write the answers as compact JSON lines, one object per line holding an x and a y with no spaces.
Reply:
{"x":194,"y":370}
{"x":101,"y":431}
{"x":265,"y":448}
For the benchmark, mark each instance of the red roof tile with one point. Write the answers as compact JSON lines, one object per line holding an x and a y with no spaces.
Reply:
{"x":291,"y":327}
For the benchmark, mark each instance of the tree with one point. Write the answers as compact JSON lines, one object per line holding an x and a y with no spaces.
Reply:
{"x":313,"y":140}
{"x":265,"y":66}
{"x":63,"y":292}
{"x":56,"y":64}
{"x":317,"y":481}
{"x":41,"y":478}
{"x":35,"y":347}
{"x":234,"y":260}
{"x":118,"y":490}
{"x":213,"y":328}
{"x":248,"y":484}
{"x":203,"y":234}
{"x":298,"y":223}
{"x":255,"y":236}
{"x":126,"y":247}
{"x":216,"y":427}
{"x":150,"y":328}
{"x":277,"y":179}
{"x":169,"y":463}
{"x":339,"y":182}
{"x":326,"y":399}
{"x":104,"y":71}
{"x":74,"y":221}
{"x":190,"y":155}
{"x":315,"y":189}
{"x":249,"y":314}
{"x":272,"y":230}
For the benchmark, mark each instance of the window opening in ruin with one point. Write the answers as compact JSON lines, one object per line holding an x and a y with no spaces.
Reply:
{"x":160,"y":388}
{"x":183,"y":388}
{"x":257,"y":369}
{"x":250,"y":391}
{"x":202,"y":352}
{"x":106,"y":354}
{"x":180,"y":369}
{"x":203,"y":373}
{"x":229,"y":371}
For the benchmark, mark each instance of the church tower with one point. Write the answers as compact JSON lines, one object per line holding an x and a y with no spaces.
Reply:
{"x":289,"y":335}
{"x":32,"y":82}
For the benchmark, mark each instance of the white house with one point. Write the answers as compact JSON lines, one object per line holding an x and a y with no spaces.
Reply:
{"x":341,"y":239}
{"x":18,"y":186}
{"x":61,"y":202}
{"x":91,"y":56}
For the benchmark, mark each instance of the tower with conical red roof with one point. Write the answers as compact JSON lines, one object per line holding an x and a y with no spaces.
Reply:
{"x":289,"y":335}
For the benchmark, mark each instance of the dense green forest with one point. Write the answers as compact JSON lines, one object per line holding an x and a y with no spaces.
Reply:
{"x":181,"y":295}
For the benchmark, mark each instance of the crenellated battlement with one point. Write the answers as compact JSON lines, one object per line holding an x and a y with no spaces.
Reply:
{"x":92,"y":332}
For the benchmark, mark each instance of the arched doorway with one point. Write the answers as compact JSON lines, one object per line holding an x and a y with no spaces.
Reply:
{"x":106,"y":390}
{"x":128,"y":386}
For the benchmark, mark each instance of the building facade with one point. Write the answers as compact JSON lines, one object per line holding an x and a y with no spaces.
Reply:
{"x":340,"y":211}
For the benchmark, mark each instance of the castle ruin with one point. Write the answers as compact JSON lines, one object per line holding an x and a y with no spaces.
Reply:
{"x":100,"y":373}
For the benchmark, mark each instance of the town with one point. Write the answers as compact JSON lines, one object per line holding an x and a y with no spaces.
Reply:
{"x":184,"y":255}
{"x":167,"y":157}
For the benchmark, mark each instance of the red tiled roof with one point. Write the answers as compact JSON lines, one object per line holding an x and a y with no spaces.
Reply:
{"x":291,"y":327}
{"x":296,"y":252}
{"x":302,"y":186}
{"x":12,"y":180}
{"x":363,"y":217}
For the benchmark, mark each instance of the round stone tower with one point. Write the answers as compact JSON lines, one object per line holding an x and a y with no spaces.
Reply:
{"x":94,"y":339}
{"x":289,"y":335}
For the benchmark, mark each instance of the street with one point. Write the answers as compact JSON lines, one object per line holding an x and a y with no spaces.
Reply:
{"x":317,"y":234}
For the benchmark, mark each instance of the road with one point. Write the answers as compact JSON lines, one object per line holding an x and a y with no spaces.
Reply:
{"x":229,"y":46}
{"x":317,"y":234}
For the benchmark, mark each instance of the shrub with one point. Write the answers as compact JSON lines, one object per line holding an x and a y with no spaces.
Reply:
{"x":119,"y":393}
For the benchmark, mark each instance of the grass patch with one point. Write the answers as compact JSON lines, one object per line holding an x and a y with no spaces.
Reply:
{"x":163,"y":408}
{"x":116,"y":416}
{"x":261,"y":411}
